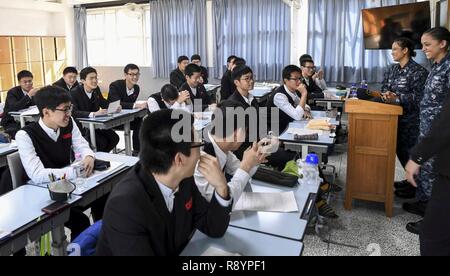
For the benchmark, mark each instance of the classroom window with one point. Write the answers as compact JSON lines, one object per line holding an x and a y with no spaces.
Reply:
{"x":118,"y":36}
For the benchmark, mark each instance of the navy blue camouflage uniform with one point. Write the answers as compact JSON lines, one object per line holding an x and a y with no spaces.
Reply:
{"x":435,"y":93}
{"x":408,"y":83}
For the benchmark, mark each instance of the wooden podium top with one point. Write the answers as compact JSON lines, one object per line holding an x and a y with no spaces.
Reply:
{"x":368,"y":107}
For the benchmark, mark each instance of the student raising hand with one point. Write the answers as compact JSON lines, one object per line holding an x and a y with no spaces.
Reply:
{"x":209,"y":167}
{"x":253,"y":157}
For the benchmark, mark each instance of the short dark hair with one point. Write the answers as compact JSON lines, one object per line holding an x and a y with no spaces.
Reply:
{"x":239,"y":62}
{"x":440,"y":34}
{"x":69,"y":70}
{"x":24,"y":74}
{"x":191,"y":69}
{"x":404,"y":43}
{"x":305,"y":57}
{"x":238,"y":72}
{"x":50,"y":97}
{"x":86,"y":71}
{"x":230,"y":58}
{"x":196,"y":57}
{"x":182,"y":58}
{"x":158,"y":148}
{"x":130,"y":67}
{"x":288,"y":70}
{"x":303,"y":63}
{"x":169,"y":92}
{"x":219,"y":127}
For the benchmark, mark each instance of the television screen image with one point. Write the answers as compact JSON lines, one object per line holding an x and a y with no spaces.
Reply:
{"x":382,"y":26}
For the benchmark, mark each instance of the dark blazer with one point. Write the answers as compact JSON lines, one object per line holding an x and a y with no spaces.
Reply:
{"x":202,"y":94}
{"x":237,"y":97}
{"x":118,"y":91}
{"x":314,"y":91}
{"x":177,"y":78}
{"x":62,"y":84}
{"x":137,"y":222}
{"x":15,"y":101}
{"x":227,"y":86}
{"x":436,"y":143}
{"x":83,"y":106}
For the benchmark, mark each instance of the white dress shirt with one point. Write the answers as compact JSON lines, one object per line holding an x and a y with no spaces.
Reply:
{"x":282,"y":102}
{"x":248,"y":99}
{"x":194,"y":90}
{"x":32,"y":163}
{"x":130,"y":91}
{"x":169,"y":197}
{"x":232,"y":165}
{"x":154,"y":106}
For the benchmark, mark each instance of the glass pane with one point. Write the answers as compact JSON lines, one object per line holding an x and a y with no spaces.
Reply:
{"x":129,"y":23}
{"x":95,"y":26}
{"x":131,"y":51}
{"x":96,"y":52}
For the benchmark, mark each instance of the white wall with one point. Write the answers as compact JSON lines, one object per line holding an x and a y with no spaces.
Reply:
{"x":31,"y":23}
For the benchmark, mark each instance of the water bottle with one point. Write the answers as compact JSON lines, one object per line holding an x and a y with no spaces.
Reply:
{"x":364,"y":85}
{"x":311,"y":170}
{"x":79,"y":170}
{"x":353,"y":91}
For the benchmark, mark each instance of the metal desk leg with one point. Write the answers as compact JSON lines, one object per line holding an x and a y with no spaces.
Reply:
{"x":59,"y":243}
{"x":329,"y":106}
{"x":22,"y":121}
{"x":305,"y":151}
{"x":92,"y":134}
{"x":127,"y":133}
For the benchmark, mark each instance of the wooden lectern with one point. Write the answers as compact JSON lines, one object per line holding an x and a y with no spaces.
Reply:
{"x":371,"y":152}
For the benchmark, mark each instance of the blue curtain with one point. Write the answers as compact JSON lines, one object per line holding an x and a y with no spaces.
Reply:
{"x":178,"y":28}
{"x":81,"y":53}
{"x":257,"y":30}
{"x":335,"y":40}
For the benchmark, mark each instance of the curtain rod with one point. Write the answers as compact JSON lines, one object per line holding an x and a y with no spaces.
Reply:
{"x":111,"y":4}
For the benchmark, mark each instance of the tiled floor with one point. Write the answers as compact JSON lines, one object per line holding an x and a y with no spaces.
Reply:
{"x":365,"y":230}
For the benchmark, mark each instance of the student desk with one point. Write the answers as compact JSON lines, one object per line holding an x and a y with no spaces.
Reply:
{"x":303,"y":146}
{"x":286,"y":225}
{"x":211,"y":87}
{"x":21,"y":215}
{"x":244,"y":242}
{"x":261,"y":91}
{"x":5,"y":150}
{"x":101,"y":185}
{"x":30,"y":114}
{"x":331,"y":99}
{"x":125,"y":117}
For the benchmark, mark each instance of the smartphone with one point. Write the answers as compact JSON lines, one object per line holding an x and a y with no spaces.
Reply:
{"x":55,"y":207}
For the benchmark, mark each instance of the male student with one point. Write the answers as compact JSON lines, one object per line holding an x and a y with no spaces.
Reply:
{"x":157,"y":206}
{"x":18,"y":98}
{"x":69,"y":79}
{"x":177,"y":77}
{"x":87,"y":102}
{"x":308,"y":71}
{"x":318,"y":77}
{"x":227,"y":84}
{"x":169,"y":98}
{"x":46,"y":147}
{"x":127,"y":92}
{"x":223,"y":140}
{"x":197,"y":60}
{"x":290,"y":99}
{"x":199,"y":97}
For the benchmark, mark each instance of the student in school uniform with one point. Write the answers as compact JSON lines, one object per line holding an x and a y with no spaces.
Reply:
{"x":290,"y":99}
{"x":170,"y":98}
{"x":47,"y":147}
{"x":177,"y":77}
{"x":88,"y":102}
{"x":308,"y":71}
{"x":222,"y":141}
{"x":69,"y":79}
{"x":155,"y":209}
{"x":18,"y":98}
{"x":127,"y":92}
{"x":199,"y":96}
{"x":197,"y":60}
{"x":318,"y":77}
{"x":228,"y":87}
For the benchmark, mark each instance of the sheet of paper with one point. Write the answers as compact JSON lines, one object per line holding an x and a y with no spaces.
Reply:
{"x":31,"y":111}
{"x":112,"y":108}
{"x":216,"y":252}
{"x":267,"y":202}
{"x":302,"y":131}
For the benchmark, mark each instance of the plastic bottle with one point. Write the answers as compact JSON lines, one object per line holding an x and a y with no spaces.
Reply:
{"x":311,"y":170}
{"x":79,"y":170}
{"x":353,"y":91}
{"x":364,"y":85}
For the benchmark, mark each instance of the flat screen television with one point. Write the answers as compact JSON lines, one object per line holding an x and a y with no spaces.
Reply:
{"x":382,"y":26}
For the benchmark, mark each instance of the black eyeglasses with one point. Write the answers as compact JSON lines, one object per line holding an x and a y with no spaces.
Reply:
{"x":296,"y":79}
{"x":67,"y":110}
{"x":134,"y":75}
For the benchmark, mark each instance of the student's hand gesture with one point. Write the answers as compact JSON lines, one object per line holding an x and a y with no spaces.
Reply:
{"x":101,"y":112}
{"x":253,"y":157}
{"x":210,"y":169}
{"x":307,"y":115}
{"x":119,"y":109}
{"x":141,"y":105}
{"x":318,"y":75}
{"x":33,"y":92}
{"x":302,"y":89}
{"x":183,"y":97}
{"x":88,"y":164}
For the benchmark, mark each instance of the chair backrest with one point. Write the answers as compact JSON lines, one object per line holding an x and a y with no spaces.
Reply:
{"x":16,"y":169}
